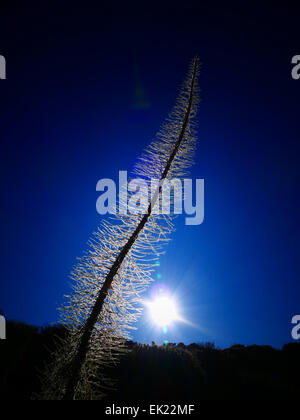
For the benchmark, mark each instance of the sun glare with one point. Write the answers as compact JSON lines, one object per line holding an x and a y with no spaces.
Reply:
{"x":163,"y":311}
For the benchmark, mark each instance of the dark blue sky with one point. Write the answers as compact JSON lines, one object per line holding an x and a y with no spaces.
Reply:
{"x":67,"y":120}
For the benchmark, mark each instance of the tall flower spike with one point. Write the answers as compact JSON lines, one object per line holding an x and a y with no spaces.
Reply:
{"x":116,"y":269}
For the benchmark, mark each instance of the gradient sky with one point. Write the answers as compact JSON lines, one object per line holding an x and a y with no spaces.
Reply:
{"x":86,"y":91}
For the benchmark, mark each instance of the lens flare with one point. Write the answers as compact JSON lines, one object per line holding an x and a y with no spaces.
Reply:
{"x":163,"y":311}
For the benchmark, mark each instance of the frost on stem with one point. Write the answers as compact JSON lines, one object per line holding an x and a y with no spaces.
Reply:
{"x":116,"y":269}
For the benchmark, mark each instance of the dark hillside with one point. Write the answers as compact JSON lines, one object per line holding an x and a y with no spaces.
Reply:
{"x":175,"y":373}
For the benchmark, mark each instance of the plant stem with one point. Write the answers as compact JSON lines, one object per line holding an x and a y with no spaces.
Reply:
{"x":79,"y":358}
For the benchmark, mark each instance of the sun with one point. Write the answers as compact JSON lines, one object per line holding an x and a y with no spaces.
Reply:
{"x":163,"y":311}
